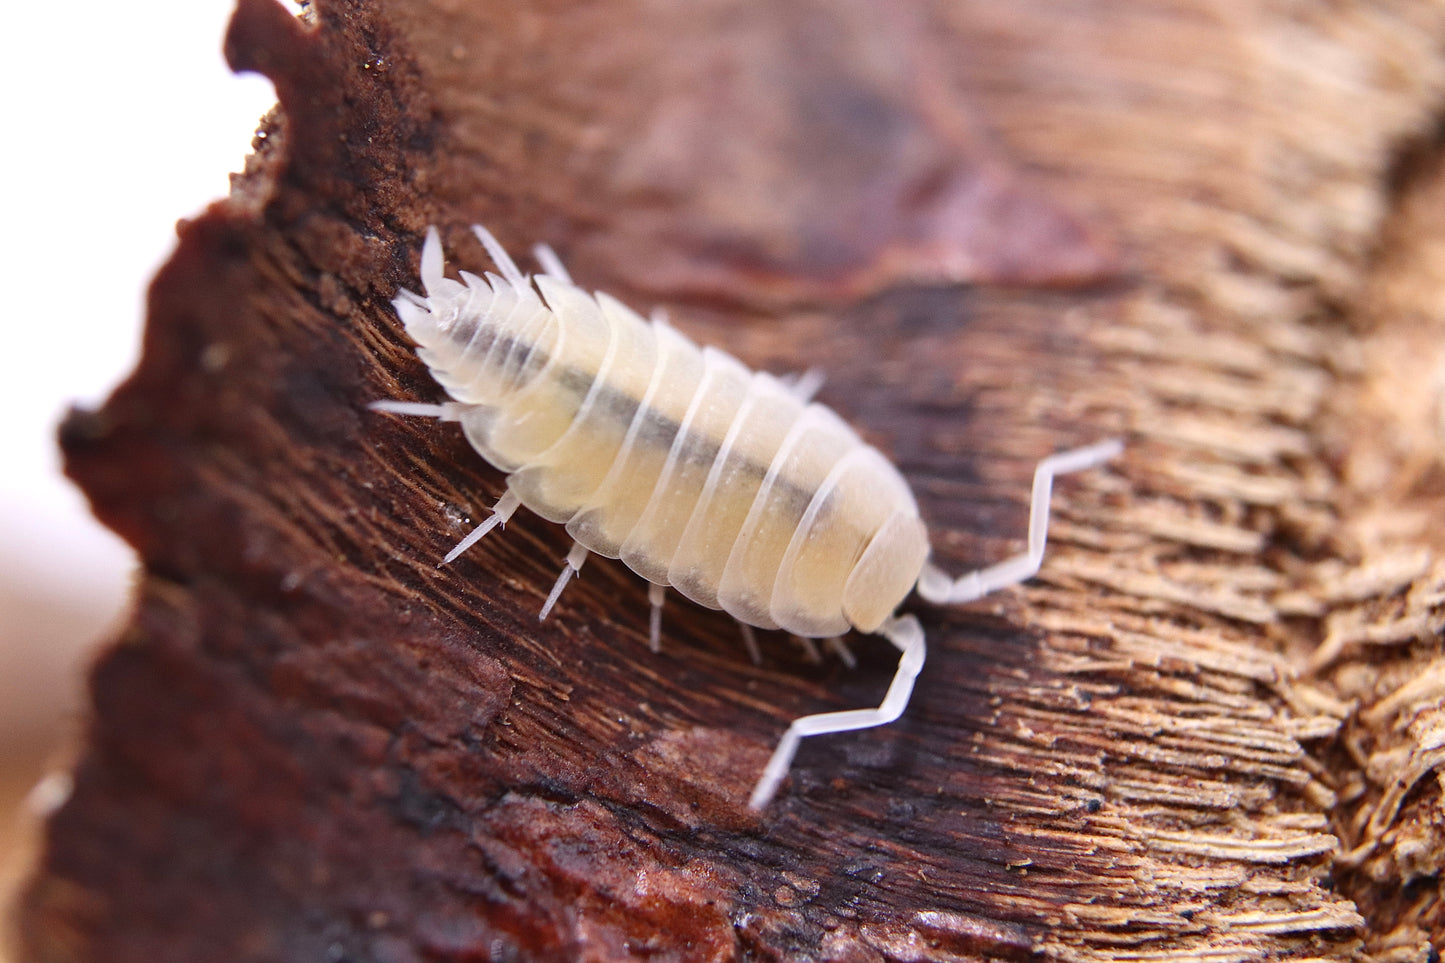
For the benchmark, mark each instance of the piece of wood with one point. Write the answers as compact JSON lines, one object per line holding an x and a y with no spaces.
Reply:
{"x":1209,"y":729}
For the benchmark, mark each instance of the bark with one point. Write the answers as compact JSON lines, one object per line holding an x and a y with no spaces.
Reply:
{"x":1211,"y":728}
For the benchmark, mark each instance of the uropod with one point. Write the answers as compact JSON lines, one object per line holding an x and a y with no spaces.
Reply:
{"x":727,"y":484}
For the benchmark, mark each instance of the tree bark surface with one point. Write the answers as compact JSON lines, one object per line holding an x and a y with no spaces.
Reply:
{"x":1212,"y":727}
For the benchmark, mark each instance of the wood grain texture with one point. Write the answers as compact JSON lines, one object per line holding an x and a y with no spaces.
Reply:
{"x":1211,"y":729}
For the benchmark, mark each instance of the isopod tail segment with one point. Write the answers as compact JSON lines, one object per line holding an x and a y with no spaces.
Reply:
{"x":935,"y":586}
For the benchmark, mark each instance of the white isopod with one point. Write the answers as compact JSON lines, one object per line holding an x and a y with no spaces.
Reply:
{"x":724,"y":483}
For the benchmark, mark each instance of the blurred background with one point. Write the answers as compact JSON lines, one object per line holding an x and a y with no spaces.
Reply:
{"x":120,"y":119}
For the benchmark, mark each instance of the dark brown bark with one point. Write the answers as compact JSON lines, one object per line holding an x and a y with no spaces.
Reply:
{"x":1213,"y":723}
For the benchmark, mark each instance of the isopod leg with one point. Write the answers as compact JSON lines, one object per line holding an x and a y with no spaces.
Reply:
{"x":750,"y":641}
{"x":508,"y":268}
{"x":501,"y":513}
{"x":839,"y":646}
{"x":938,"y":587}
{"x":805,"y":384}
{"x":810,"y":649}
{"x":655,"y":596}
{"x":447,"y":411}
{"x":575,"y":558}
{"x":433,"y":262}
{"x":551,"y":264}
{"x":907,"y":636}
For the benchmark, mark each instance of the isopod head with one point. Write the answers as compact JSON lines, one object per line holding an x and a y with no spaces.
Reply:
{"x":886,"y":572}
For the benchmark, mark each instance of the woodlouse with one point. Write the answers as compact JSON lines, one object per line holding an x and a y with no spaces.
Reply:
{"x":726,"y":484}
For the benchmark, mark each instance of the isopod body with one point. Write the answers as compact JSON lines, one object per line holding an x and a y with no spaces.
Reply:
{"x":696,"y":472}
{"x":699,"y":474}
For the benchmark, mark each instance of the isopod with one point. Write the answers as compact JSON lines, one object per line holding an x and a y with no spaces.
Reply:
{"x":729,"y":485}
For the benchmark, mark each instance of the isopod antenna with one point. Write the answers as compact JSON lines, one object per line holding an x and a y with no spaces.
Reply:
{"x":938,"y":587}
{"x":907,"y":635}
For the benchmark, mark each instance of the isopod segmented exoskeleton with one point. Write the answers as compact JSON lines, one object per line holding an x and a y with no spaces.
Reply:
{"x":726,"y":484}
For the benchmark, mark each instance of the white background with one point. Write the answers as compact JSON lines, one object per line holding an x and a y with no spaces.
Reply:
{"x":120,"y":118}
